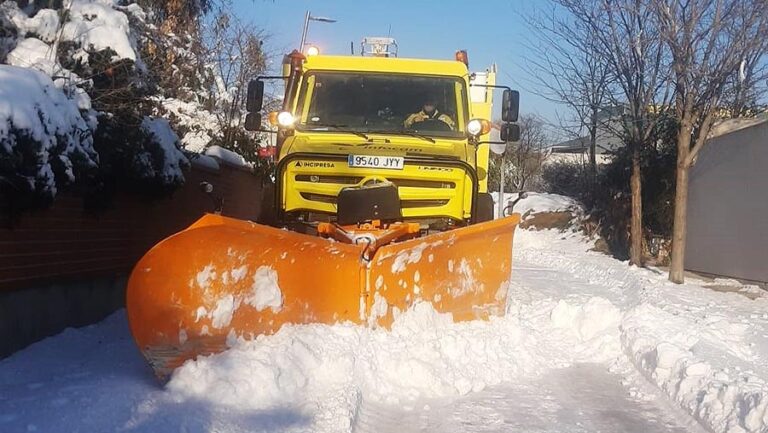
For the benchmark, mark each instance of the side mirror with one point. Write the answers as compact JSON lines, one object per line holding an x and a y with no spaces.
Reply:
{"x":253,"y":121}
{"x":510,"y":106}
{"x":255,"y":98}
{"x":509,"y":132}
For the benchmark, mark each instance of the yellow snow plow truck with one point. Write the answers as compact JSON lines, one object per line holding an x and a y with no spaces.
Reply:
{"x":381,"y":200}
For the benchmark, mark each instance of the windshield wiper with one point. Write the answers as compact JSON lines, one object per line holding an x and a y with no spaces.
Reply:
{"x":338,"y":128}
{"x":404,"y":132}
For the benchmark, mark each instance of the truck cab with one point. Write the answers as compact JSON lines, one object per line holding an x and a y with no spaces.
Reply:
{"x":381,"y":138}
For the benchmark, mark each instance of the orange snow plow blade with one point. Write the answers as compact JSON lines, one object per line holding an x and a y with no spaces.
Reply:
{"x":222,"y":279}
{"x":465,"y":272}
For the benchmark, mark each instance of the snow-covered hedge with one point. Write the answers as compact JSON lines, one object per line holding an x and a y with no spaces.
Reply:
{"x":68,"y":70}
{"x":164,"y":142}
{"x":45,"y":140}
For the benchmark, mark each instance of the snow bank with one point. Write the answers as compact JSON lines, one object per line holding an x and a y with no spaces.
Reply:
{"x":726,"y":397}
{"x":227,"y":156}
{"x":33,"y":109}
{"x":537,"y":202}
{"x":706,"y":351}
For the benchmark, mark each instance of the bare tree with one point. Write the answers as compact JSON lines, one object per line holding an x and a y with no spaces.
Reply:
{"x":709,"y":41}
{"x":524,"y":159}
{"x":235,"y":56}
{"x":568,"y":68}
{"x":626,"y":36}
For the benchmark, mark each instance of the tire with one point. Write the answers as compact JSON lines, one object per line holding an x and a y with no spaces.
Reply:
{"x":484,"y":207}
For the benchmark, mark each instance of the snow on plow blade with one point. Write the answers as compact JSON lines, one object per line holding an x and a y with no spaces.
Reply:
{"x":223,"y":279}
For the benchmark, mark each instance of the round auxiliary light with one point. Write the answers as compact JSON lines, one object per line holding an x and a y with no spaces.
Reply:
{"x":285,"y":119}
{"x":475,"y":127}
{"x":313,"y":51}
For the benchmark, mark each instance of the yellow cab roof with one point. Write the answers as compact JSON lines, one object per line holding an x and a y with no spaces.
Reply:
{"x":450,"y":68}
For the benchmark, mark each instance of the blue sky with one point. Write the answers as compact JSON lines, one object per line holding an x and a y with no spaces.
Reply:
{"x":491,"y":31}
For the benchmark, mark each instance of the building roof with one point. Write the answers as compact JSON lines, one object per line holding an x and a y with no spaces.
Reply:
{"x":732,"y":125}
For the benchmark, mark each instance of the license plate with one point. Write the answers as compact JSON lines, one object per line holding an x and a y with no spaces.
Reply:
{"x":391,"y":162}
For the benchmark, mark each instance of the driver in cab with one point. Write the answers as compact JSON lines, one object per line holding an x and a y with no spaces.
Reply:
{"x":428,"y":111}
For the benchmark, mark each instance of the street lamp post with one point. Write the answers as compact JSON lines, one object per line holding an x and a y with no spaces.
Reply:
{"x":501,"y":186}
{"x":499,"y":148}
{"x":307,"y":18}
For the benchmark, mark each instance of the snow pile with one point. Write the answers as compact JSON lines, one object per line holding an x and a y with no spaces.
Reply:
{"x":227,"y":156}
{"x":537,"y":202}
{"x":587,"y":320}
{"x":728,"y":397}
{"x":36,"y":116}
{"x":323,"y":371}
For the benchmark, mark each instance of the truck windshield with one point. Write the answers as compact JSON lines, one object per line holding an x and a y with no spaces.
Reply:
{"x":368,"y":102}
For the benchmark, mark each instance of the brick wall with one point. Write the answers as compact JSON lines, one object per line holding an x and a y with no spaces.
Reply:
{"x":65,"y":243}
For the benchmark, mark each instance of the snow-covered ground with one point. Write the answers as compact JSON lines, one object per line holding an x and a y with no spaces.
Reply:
{"x":587,"y":344}
{"x":536,"y":202}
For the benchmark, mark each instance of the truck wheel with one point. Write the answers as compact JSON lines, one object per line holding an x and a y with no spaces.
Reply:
{"x":484,"y":207}
{"x":268,"y":207}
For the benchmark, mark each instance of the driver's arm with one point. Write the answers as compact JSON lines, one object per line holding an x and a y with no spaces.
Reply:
{"x":447,"y":120}
{"x":413,"y":118}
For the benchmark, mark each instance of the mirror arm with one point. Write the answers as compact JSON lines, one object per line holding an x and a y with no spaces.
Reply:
{"x":271,"y":77}
{"x":491,"y":86}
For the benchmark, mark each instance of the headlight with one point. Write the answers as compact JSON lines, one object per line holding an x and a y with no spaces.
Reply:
{"x":313,"y":51}
{"x":285,"y":119}
{"x":475,"y":126}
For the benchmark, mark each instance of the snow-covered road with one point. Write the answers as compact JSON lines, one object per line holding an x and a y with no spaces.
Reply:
{"x":588,"y":344}
{"x":581,"y":398}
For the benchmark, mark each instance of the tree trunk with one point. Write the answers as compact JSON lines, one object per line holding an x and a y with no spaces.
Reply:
{"x":677,"y":266}
{"x":636,"y":224}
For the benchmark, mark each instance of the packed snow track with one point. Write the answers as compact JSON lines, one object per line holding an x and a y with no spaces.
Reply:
{"x":587,"y":344}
